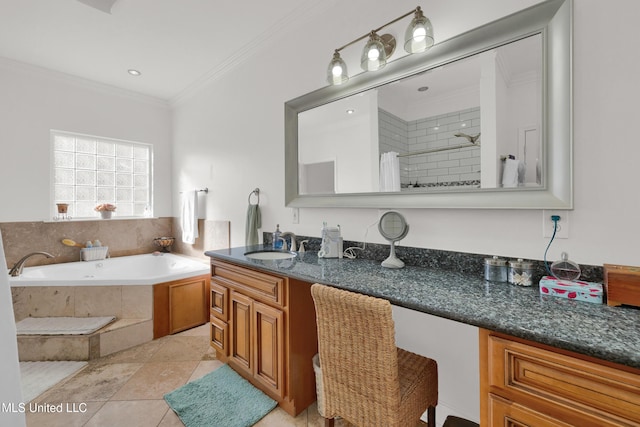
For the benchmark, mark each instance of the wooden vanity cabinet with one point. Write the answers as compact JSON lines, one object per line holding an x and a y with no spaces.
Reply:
{"x":263,"y":325}
{"x":530,"y":384}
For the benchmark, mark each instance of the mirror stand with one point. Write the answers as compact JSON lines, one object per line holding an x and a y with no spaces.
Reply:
{"x":393,"y":261}
{"x":393,"y":227}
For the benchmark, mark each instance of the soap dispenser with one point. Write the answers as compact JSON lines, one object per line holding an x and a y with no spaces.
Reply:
{"x":277,"y":243}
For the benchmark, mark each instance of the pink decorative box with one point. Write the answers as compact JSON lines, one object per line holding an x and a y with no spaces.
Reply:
{"x":578,"y":290}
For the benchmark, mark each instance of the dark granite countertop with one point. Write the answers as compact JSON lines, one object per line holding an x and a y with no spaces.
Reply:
{"x":597,"y":330}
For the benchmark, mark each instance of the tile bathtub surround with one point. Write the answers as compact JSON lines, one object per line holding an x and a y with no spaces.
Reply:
{"x":212,"y":235}
{"x":433,"y":258}
{"x":124,"y":302}
{"x":122,"y":236}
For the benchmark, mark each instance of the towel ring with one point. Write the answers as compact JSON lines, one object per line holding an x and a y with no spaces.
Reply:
{"x":257,"y":193}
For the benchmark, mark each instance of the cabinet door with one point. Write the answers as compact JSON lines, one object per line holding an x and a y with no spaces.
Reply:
{"x":187,"y":305}
{"x":240,"y":348}
{"x":268,"y":343}
{"x":220,"y":338}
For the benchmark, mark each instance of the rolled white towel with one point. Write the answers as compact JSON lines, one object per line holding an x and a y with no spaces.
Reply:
{"x":510,"y":173}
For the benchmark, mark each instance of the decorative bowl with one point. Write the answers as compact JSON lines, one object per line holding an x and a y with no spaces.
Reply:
{"x":164,"y":242}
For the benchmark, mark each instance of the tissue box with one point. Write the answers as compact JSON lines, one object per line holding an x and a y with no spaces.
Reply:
{"x":94,"y":254}
{"x":623,"y":284}
{"x":579,"y":290}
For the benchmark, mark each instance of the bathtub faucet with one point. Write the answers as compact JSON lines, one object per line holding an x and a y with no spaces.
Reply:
{"x":16,"y":270}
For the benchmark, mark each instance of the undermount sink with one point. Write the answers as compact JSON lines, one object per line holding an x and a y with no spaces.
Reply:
{"x":270,"y":255}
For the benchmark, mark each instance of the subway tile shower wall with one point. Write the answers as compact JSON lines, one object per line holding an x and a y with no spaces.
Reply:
{"x":459,"y":165}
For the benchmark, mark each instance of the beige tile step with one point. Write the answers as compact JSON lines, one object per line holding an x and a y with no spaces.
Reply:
{"x":116,"y":336}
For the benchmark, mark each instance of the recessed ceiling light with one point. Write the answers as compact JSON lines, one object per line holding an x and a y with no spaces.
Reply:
{"x":351,"y":111}
{"x":134,"y":72}
{"x":423,"y":88}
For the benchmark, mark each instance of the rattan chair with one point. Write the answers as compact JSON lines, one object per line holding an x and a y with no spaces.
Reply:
{"x":366,"y":379}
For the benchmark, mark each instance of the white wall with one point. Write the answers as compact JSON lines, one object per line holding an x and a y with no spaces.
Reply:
{"x":35,"y":100}
{"x":455,"y":347}
{"x":214,"y":147}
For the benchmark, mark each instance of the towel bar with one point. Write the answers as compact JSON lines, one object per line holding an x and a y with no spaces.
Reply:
{"x":204,"y":190}
{"x":257,"y":193}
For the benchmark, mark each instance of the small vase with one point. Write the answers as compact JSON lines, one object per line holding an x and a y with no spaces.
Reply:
{"x":106,"y":214}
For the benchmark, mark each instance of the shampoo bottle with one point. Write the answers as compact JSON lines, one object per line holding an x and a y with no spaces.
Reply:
{"x":277,"y":243}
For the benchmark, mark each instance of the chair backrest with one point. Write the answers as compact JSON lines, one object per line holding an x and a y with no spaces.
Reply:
{"x":358,"y":356}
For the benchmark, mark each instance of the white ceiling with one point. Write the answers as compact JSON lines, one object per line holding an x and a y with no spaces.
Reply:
{"x":174,"y":43}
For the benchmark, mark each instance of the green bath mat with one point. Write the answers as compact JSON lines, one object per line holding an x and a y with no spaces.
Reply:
{"x":221,"y":398}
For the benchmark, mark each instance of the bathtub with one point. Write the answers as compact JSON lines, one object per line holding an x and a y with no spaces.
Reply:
{"x":147,"y":269}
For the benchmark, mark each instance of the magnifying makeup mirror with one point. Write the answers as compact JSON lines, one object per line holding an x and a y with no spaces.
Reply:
{"x":393,"y":227}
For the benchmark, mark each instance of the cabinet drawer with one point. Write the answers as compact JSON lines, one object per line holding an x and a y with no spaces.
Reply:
{"x":219,"y":301}
{"x":503,"y":413}
{"x":264,"y":287}
{"x":524,"y":373}
{"x":220,"y":336}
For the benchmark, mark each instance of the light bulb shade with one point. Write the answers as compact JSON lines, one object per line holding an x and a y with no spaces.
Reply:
{"x":419,"y":34}
{"x":373,"y":56}
{"x":337,"y":70}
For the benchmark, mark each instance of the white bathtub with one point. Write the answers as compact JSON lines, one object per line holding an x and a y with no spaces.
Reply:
{"x":147,"y":269}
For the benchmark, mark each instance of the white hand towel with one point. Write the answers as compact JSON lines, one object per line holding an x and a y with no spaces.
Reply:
{"x":189,"y":216}
{"x":389,"y":172}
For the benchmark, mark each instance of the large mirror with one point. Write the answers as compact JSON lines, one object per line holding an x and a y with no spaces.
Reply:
{"x":482,"y":120}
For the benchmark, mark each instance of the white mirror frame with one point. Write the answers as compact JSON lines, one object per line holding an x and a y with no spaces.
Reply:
{"x":553,"y":19}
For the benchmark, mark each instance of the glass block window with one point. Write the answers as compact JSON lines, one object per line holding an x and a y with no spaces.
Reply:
{"x":90,"y":170}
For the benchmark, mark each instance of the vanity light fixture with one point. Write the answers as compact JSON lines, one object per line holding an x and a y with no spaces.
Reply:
{"x":419,"y":34}
{"x":377,"y":50}
{"x":337,"y":70}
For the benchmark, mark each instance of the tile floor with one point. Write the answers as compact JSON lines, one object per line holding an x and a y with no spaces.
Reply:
{"x":126,"y":389}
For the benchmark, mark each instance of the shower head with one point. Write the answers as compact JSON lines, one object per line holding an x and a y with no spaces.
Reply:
{"x":471,"y":139}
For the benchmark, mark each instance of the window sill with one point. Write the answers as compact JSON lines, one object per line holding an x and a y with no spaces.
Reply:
{"x":115,"y":218}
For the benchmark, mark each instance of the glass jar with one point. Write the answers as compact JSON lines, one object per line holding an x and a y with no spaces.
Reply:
{"x":495,"y":269}
{"x":565,"y":269}
{"x":521,"y":272}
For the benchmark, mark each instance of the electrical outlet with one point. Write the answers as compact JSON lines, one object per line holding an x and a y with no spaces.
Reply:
{"x":295,"y":215}
{"x":563,"y":225}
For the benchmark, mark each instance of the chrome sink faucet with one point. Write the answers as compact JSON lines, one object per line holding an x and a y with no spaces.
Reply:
{"x":294,"y":246}
{"x":16,"y":270}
